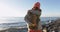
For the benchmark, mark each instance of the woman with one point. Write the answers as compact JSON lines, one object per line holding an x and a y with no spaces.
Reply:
{"x":33,"y":18}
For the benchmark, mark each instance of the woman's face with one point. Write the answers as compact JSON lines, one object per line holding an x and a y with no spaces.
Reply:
{"x":37,"y":6}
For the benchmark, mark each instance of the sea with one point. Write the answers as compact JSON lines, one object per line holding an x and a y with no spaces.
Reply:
{"x":19,"y":22}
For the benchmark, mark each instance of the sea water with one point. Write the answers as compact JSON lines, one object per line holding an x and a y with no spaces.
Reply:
{"x":18,"y":22}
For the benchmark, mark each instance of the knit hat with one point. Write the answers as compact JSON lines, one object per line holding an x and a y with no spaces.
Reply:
{"x":37,"y":4}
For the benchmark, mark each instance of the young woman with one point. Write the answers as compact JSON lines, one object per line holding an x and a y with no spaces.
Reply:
{"x":33,"y":18}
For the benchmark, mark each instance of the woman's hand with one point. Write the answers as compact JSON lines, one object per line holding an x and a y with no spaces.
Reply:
{"x":34,"y":24}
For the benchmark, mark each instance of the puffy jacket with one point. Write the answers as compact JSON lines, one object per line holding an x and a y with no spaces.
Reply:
{"x":30,"y":13}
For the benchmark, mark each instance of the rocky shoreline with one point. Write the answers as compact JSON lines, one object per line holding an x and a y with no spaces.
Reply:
{"x":53,"y":26}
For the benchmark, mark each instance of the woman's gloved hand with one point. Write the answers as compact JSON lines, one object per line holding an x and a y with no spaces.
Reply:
{"x":34,"y":24}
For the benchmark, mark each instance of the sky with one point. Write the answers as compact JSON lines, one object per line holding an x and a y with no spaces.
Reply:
{"x":19,"y":8}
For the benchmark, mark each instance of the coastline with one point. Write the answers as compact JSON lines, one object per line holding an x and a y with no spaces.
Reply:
{"x":23,"y":28}
{"x":15,"y":30}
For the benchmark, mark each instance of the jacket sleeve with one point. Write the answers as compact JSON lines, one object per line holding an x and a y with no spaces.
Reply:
{"x":27,"y":17}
